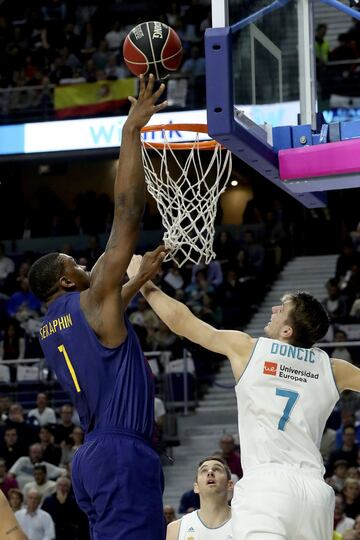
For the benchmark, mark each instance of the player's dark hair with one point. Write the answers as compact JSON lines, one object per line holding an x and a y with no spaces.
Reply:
{"x":44,"y":275}
{"x":307,"y":317}
{"x":215,"y":458}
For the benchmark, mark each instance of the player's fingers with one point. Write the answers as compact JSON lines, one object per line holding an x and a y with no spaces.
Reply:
{"x":142,"y":85}
{"x":132,"y":100}
{"x":159,"y":249}
{"x":159,"y":91}
{"x":161,"y":106}
{"x":150,"y":85}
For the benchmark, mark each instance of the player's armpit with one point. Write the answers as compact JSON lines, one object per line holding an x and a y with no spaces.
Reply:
{"x":173,"y":529}
{"x":347,"y":376}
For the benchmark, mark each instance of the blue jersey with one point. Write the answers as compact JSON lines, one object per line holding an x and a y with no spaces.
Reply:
{"x":110,"y":387}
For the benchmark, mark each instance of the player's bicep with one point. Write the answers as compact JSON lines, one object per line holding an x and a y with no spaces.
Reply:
{"x":225,"y":342}
{"x":347,"y":376}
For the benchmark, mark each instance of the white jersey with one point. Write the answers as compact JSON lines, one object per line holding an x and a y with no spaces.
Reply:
{"x":284,"y":397}
{"x":192,"y":528}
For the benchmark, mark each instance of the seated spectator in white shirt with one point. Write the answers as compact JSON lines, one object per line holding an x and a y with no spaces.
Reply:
{"x":43,"y":413}
{"x":23,"y":468}
{"x":36,"y":524}
{"x":341,"y":521}
{"x":40,"y":484}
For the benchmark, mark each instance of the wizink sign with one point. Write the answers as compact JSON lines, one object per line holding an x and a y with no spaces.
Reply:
{"x":98,"y":133}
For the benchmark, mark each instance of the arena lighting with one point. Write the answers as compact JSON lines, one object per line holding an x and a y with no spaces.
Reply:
{"x":234,"y":183}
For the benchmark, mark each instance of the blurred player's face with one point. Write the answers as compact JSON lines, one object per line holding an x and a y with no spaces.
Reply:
{"x":212,"y":479}
{"x":76,"y":273}
{"x":278,"y":321}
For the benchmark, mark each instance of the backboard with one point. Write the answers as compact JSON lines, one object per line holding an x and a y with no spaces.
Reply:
{"x":261,"y":98}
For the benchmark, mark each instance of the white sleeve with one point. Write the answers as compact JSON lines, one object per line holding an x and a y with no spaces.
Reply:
{"x":49,"y":527}
{"x":18,"y":465}
{"x":51,"y":417}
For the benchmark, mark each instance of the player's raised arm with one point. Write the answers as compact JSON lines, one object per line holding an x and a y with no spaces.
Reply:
{"x":129,"y":194}
{"x":9,"y":527}
{"x":237,"y":346}
{"x":347,"y":376}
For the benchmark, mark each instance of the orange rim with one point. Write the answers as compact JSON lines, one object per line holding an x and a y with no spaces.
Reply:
{"x":197,"y":128}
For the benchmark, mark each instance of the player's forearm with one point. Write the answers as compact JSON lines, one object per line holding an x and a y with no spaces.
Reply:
{"x":173,"y":313}
{"x":129,"y":189}
{"x":130,"y":288}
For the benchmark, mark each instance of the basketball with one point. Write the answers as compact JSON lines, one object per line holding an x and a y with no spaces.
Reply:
{"x":152,"y":47}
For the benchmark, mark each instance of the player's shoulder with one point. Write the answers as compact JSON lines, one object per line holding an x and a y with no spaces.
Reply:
{"x":173,"y":529}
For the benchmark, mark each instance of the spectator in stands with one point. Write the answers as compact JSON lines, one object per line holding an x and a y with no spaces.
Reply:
{"x":161,"y":338}
{"x":42,"y":413}
{"x":274,"y":240}
{"x":51,"y":451}
{"x":335,"y":304}
{"x":355,"y":308}
{"x":88,"y":40}
{"x":7,"y":265}
{"x":328,"y":441}
{"x":254,"y":252}
{"x":322,"y":47}
{"x":16,"y":499}
{"x":115,"y":37}
{"x":341,"y":521}
{"x":348,"y":418}
{"x":114,"y":71}
{"x":214,"y":275}
{"x":350,"y":493}
{"x":40,"y":483}
{"x":7,"y":482}
{"x":66,"y":425}
{"x":346,"y":50}
{"x":12,"y":346}
{"x":144,"y":316}
{"x":16,"y":419}
{"x":233,"y":299}
{"x":348,"y":451}
{"x":23,"y":304}
{"x":224,"y":247}
{"x":10,"y":447}
{"x":36,"y":524}
{"x":23,"y":468}
{"x":196,"y":290}
{"x":229,"y":454}
{"x":194,"y":68}
{"x":213,"y":484}
{"x":169,"y":514}
{"x":347,"y":258}
{"x":62,"y":507}
{"x":341,"y":351}
{"x":337,"y":480}
{"x":5,"y":403}
{"x":70,"y":445}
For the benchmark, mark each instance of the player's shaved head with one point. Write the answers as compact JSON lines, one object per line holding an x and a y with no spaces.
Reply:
{"x":44,"y":275}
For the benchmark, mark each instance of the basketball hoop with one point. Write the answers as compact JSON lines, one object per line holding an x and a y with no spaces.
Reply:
{"x":185,"y":189}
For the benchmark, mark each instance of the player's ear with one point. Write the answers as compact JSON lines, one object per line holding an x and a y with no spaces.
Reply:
{"x":196,"y":488}
{"x":66,"y":283}
{"x":286,"y":332}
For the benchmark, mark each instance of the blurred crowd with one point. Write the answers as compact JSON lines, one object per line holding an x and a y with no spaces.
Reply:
{"x":51,"y":42}
{"x":338,"y":68}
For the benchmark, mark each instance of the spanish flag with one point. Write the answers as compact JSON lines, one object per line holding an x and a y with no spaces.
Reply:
{"x":86,"y":99}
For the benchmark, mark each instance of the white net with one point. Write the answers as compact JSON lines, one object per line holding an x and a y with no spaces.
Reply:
{"x":187,"y":198}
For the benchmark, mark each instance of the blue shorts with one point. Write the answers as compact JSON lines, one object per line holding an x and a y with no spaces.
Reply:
{"x":118,"y":481}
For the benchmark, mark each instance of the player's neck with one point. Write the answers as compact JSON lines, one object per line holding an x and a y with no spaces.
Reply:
{"x":214,"y":512}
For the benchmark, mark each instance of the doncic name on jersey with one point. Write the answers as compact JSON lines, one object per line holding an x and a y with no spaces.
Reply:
{"x":287,"y":372}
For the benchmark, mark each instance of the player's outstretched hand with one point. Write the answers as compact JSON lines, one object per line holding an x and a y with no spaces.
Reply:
{"x":146,"y":267}
{"x":144,"y":106}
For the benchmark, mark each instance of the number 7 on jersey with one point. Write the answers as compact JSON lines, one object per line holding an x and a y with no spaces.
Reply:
{"x":291,"y":400}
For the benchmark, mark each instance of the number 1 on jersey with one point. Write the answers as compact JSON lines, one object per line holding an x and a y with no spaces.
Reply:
{"x":291,"y":400}
{"x":70,"y":366}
